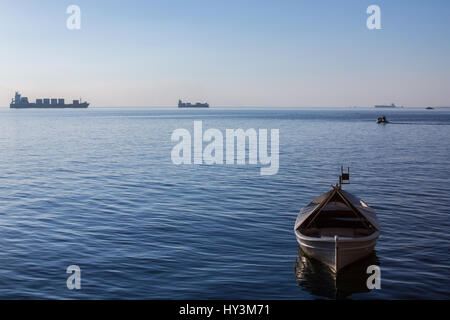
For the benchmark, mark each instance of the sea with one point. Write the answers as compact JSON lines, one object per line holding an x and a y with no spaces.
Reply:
{"x":97,"y":189}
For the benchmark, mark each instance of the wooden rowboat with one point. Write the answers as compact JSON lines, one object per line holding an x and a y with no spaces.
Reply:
{"x":337,"y":228}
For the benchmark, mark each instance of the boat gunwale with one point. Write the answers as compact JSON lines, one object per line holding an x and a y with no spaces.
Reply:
{"x":317,"y":210}
{"x":372,"y":236}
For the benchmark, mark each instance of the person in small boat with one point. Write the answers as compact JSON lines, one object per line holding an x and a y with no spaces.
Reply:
{"x":382,"y":120}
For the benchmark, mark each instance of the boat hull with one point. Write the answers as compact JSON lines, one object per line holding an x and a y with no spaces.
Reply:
{"x":82,"y":105}
{"x":337,"y":252}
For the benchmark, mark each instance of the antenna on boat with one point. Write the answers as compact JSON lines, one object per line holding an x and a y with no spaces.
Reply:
{"x":344,"y":178}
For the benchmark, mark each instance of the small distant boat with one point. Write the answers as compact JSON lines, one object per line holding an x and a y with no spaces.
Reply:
{"x":337,"y":228}
{"x":382,"y":120}
{"x":429,"y":108}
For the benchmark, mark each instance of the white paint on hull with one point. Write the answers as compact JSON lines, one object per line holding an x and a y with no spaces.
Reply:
{"x":349,"y":249}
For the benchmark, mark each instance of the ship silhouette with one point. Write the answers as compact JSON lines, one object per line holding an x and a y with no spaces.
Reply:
{"x":20,"y":102}
{"x":182,"y":104}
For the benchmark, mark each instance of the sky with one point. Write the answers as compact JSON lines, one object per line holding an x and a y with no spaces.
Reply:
{"x":228,"y":53}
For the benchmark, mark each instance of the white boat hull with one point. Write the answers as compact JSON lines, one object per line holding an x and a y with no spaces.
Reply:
{"x":337,"y":252}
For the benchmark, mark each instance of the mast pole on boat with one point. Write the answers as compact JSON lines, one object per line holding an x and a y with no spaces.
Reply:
{"x":344,"y":178}
{"x":336,"y":253}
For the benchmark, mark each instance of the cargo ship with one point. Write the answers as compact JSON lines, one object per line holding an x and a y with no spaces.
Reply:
{"x":20,"y":102}
{"x":182,"y":104}
{"x":386,"y":106}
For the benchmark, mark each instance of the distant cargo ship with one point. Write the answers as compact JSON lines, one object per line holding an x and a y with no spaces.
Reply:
{"x":182,"y":104}
{"x":386,"y":106}
{"x":20,"y":102}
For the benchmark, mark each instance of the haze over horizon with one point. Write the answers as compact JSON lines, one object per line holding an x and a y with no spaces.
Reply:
{"x":228,"y":53}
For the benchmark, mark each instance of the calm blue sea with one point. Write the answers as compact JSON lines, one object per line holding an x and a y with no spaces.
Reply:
{"x":97,"y":188}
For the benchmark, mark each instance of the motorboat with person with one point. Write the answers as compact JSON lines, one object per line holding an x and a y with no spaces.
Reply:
{"x":382,"y":120}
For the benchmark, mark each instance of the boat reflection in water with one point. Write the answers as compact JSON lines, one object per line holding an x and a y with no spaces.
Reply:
{"x":319,"y":280}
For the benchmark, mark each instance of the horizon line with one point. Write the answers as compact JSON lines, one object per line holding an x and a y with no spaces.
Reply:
{"x":254,"y":107}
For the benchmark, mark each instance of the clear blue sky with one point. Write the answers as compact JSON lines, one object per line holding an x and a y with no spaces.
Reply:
{"x":229,"y":53}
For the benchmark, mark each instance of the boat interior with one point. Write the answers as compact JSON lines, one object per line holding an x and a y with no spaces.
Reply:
{"x":337,"y":218}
